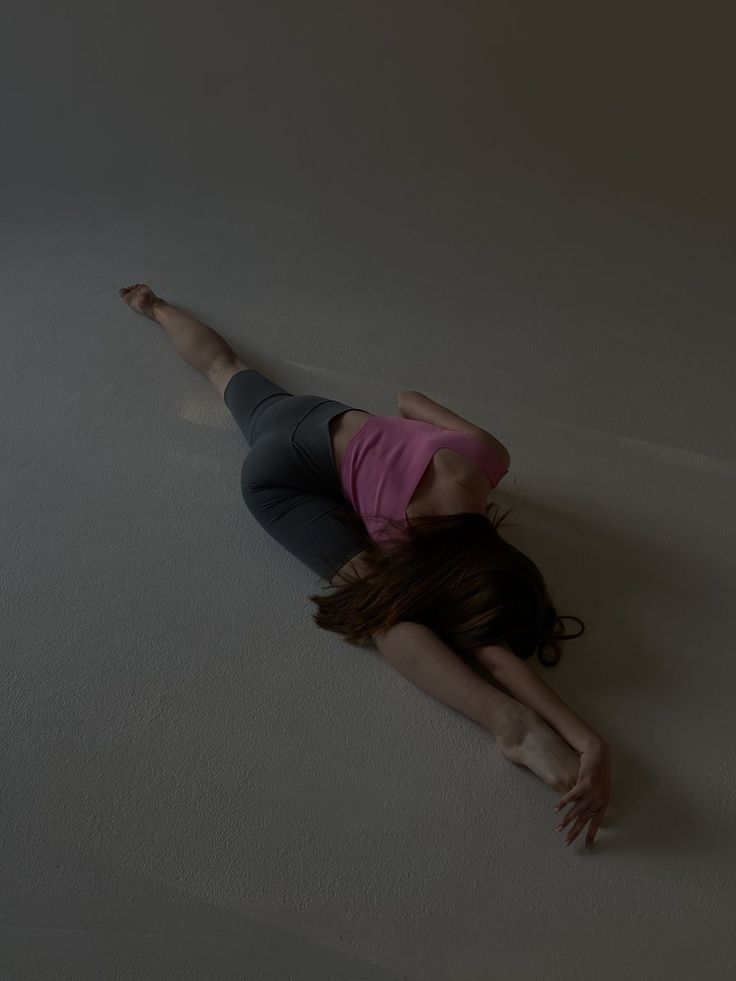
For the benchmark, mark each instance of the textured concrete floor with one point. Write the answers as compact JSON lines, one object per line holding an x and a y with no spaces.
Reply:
{"x":524,"y":210}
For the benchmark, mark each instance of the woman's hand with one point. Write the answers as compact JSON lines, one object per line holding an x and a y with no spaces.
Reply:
{"x":590,"y":793}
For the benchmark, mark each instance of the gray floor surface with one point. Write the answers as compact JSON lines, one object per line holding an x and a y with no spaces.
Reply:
{"x":525,"y":211}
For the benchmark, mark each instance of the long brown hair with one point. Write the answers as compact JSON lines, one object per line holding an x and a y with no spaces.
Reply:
{"x":455,"y":574}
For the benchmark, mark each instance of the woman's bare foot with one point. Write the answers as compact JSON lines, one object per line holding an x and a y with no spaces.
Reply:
{"x":141,"y":298}
{"x":527,"y":740}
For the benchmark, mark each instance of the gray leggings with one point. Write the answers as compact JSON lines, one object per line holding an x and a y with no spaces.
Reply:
{"x":289,"y":480}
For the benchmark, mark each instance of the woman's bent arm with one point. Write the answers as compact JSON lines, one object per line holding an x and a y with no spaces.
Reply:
{"x":423,"y":658}
{"x":519,"y":679}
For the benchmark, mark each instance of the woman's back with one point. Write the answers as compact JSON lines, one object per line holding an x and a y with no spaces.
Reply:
{"x":396,"y":467}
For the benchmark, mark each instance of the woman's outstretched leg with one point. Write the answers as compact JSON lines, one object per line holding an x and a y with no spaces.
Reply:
{"x":195,"y":342}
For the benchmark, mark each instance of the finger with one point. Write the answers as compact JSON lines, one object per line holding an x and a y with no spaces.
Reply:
{"x":570,"y":795}
{"x":593,"y":829}
{"x":577,"y":828}
{"x":575,"y":812}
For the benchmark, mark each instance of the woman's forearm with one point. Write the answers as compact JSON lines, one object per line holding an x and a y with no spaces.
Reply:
{"x":519,"y":679}
{"x":427,"y":662}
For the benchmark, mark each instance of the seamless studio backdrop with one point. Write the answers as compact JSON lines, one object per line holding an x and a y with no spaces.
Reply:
{"x":525,"y":211}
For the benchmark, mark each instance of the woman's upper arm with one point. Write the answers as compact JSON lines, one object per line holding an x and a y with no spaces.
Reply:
{"x":493,"y":656}
{"x":415,"y":405}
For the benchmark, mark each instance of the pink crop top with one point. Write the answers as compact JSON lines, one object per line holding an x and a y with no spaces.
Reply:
{"x":385,"y":460}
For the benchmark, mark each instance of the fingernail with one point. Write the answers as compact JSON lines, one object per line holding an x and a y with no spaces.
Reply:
{"x":558,"y":828}
{"x":568,"y":842}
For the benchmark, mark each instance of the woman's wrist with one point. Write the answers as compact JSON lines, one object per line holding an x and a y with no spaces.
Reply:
{"x":595,"y":746}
